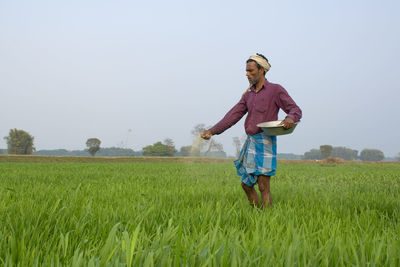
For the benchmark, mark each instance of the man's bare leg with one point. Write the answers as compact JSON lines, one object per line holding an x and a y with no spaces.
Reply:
{"x":264,"y":186}
{"x":251,"y":193}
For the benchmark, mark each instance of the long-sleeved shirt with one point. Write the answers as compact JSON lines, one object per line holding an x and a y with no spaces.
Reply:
{"x":261,"y":106}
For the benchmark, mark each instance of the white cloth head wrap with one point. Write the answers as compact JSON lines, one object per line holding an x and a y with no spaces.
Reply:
{"x":261,"y":61}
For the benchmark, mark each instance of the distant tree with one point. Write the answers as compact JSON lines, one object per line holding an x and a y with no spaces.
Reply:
{"x":93,"y":145}
{"x":398,"y":157}
{"x":169,"y":143}
{"x":237,"y":144}
{"x":326,"y":151}
{"x":158,"y":149}
{"x":313,"y":154}
{"x":371,"y":155}
{"x":20,"y":142}
{"x":344,"y":153}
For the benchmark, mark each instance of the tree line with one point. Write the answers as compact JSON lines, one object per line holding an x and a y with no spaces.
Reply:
{"x":328,"y":151}
{"x":22,"y":143}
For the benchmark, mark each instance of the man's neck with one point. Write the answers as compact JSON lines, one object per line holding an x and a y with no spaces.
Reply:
{"x":260,"y":84}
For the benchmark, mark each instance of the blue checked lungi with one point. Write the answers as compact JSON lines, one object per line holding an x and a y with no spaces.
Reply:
{"x":257,"y":157}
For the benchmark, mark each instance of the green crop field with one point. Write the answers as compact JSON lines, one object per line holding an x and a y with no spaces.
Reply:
{"x":159,"y":213}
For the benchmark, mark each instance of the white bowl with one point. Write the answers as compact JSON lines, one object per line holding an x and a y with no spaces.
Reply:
{"x":273,"y":128}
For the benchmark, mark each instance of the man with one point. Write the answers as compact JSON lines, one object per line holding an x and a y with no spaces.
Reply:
{"x":262,"y":101}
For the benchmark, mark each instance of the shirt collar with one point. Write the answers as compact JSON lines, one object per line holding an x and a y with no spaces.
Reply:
{"x":253,"y":88}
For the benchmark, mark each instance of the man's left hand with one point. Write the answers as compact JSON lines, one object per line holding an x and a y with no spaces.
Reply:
{"x":287,"y":123}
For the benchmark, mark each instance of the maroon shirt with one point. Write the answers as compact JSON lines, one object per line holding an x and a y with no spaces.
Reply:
{"x":262,"y":106}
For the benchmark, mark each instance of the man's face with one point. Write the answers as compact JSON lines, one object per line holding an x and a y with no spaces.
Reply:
{"x":253,"y":73}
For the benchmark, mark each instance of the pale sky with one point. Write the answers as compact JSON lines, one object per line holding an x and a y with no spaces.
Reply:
{"x":71,"y":70}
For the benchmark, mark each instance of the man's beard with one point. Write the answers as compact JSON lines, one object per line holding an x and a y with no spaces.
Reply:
{"x":253,"y":82}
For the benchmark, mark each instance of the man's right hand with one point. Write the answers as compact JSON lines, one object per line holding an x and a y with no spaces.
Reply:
{"x":206,"y":134}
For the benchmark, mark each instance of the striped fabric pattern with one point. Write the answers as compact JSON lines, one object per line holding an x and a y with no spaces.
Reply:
{"x":257,"y":157}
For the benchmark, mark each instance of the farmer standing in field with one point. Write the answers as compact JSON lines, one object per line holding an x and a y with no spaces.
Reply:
{"x":262,"y":101}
